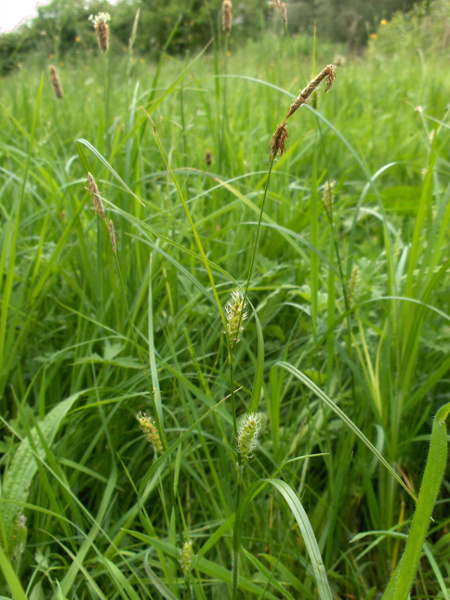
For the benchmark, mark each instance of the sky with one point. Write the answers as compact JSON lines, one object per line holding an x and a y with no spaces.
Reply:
{"x":16,"y":12}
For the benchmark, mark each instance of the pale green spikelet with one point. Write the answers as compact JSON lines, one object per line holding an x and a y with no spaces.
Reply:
{"x":147,"y":424}
{"x":328,"y":197}
{"x":353,"y":284}
{"x":186,"y":555}
{"x":236,"y":315}
{"x":248,"y":435}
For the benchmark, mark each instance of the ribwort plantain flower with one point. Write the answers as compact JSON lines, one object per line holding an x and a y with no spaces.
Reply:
{"x":147,"y":424}
{"x":248,"y":435}
{"x":226,"y":16}
{"x":101,"y":27}
{"x":56,"y":82}
{"x":236,"y":314}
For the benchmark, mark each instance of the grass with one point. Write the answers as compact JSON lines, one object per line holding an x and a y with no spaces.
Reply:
{"x":344,"y":353}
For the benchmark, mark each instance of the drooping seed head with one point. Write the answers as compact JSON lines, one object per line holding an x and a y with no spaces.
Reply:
{"x":55,"y":81}
{"x":147,"y":424}
{"x":278,"y":141}
{"x":327,"y":73}
{"x":248,"y":435}
{"x":226,"y":15}
{"x":236,"y":314}
{"x":96,"y":199}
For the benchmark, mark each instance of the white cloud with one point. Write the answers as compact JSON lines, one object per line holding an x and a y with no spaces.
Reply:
{"x":15,"y":12}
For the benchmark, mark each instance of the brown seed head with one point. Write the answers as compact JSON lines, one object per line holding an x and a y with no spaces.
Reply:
{"x":101,"y":27}
{"x":102,"y":31}
{"x":283,"y":11}
{"x":112,"y":235}
{"x":96,"y":200}
{"x":208,"y":157}
{"x":278,"y":141}
{"x":56,"y":83}
{"x":226,"y":15}
{"x":327,"y":73}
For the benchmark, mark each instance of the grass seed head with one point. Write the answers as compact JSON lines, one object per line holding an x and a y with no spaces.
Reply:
{"x":327,"y":73}
{"x":208,"y":158}
{"x":328,"y":197}
{"x":278,"y":141}
{"x":147,"y":424}
{"x":96,"y":200}
{"x":248,"y":435}
{"x":283,"y":11}
{"x":56,"y":83}
{"x":112,"y":235}
{"x":236,"y":314}
{"x":226,"y":15}
{"x":186,"y":554}
{"x":354,"y":285}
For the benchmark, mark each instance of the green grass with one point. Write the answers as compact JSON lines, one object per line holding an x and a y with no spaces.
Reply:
{"x":347,"y":371}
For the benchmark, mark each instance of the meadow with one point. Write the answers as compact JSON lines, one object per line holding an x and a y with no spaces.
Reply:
{"x":287,"y":464}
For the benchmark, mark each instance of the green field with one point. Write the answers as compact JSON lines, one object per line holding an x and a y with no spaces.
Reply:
{"x":342,"y":247}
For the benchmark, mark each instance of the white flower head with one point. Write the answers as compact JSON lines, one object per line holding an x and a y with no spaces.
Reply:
{"x":100,"y":18}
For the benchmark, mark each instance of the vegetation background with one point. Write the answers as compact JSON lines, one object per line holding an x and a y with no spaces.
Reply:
{"x":345,"y":352}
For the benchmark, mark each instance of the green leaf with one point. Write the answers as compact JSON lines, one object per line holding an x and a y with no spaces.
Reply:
{"x":402,"y":580}
{"x":19,"y":476}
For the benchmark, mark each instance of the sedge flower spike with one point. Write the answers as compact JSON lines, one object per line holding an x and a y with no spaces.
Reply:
{"x":248,"y":435}
{"x":147,"y":424}
{"x":186,"y":554}
{"x":278,"y":142}
{"x":236,"y":315}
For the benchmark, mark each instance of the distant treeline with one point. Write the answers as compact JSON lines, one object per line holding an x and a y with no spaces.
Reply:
{"x":62,"y":27}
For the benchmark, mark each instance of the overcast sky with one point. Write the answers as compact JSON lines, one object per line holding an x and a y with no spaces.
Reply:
{"x":15,"y":12}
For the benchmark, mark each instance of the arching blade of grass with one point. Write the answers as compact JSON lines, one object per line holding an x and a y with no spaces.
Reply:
{"x":401,"y":582}
{"x":335,"y":408}
{"x":302,"y":520}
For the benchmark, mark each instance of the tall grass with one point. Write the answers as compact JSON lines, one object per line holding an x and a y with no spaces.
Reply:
{"x":347,"y":372}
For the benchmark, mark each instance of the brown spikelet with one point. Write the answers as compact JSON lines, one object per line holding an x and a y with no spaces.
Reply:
{"x":327,"y":73}
{"x":226,"y":15}
{"x":208,"y":158}
{"x":278,"y":141}
{"x":102,"y":31}
{"x":56,"y":83}
{"x":96,"y":200}
{"x":283,"y":11}
{"x":112,"y":235}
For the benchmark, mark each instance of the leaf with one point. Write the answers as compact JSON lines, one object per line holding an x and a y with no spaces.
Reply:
{"x":17,"y":481}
